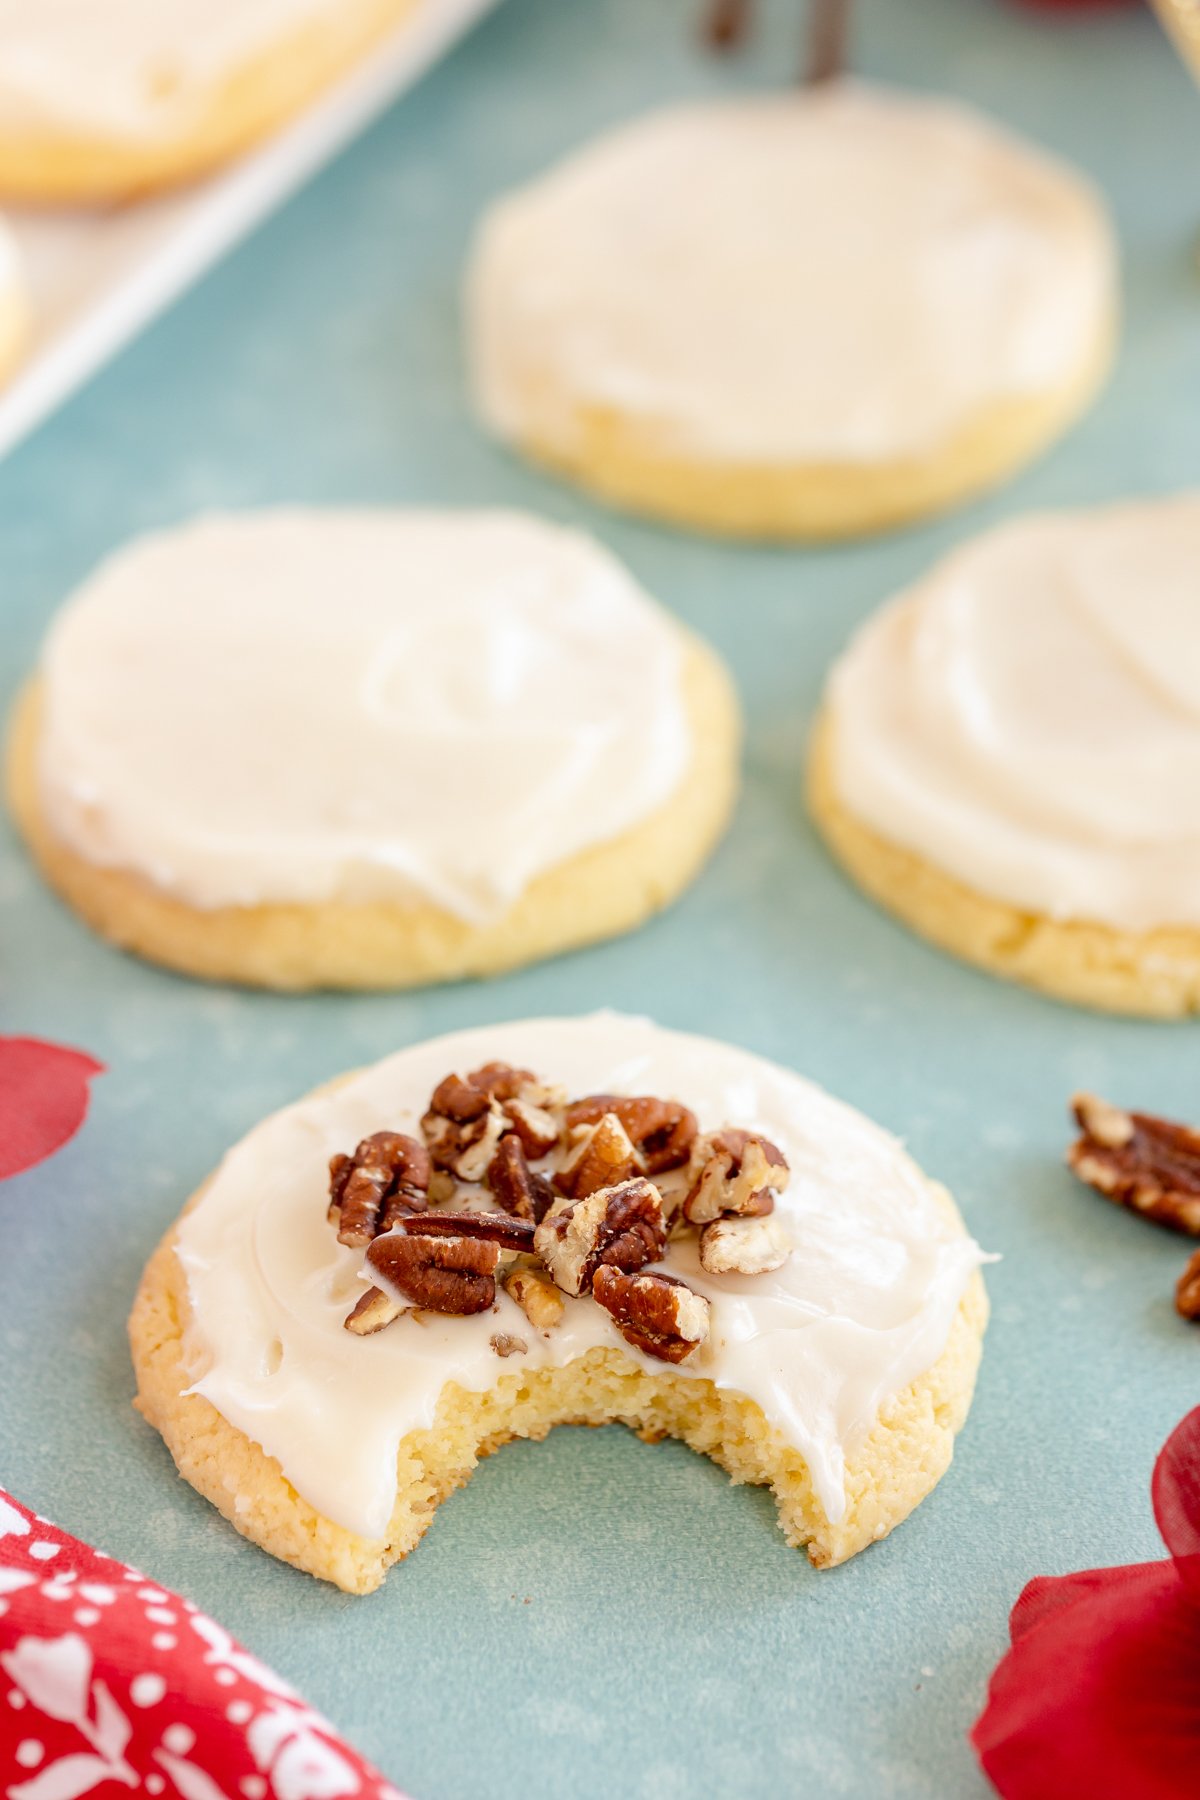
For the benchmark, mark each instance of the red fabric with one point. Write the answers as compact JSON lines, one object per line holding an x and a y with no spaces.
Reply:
{"x":1100,"y":1693}
{"x":111,"y":1684}
{"x":43,"y":1099}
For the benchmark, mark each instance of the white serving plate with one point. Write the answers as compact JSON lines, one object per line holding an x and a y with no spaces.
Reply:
{"x":97,"y":277}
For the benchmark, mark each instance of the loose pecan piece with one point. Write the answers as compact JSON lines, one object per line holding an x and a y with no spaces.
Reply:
{"x":1187,"y":1289}
{"x":621,"y":1225}
{"x":737,"y":1172}
{"x":535,"y":1294}
{"x":515,"y":1186}
{"x":370,"y":1314}
{"x":662,"y":1131}
{"x":490,"y":1228}
{"x":505,"y":1344}
{"x":655,"y":1313}
{"x":601,"y":1155}
{"x":443,"y":1274}
{"x":744,"y":1246}
{"x":387,"y":1177}
{"x":1150,"y":1165}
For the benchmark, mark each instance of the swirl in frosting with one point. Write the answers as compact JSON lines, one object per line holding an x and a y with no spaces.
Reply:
{"x":409,"y":706}
{"x":1027,"y":717}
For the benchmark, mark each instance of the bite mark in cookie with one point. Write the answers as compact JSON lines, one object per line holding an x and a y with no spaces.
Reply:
{"x":330,"y":1441}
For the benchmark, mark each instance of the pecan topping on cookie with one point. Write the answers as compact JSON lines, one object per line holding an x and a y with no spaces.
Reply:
{"x":661,"y":1131}
{"x":455,"y":1274}
{"x":535,"y":1294}
{"x":574,"y":1207}
{"x":655,"y":1313}
{"x":515,"y":1186}
{"x":468,"y":1116}
{"x":501,"y":1080}
{"x":622,"y":1226}
{"x":504,"y":1344}
{"x":375,"y":1310}
{"x":1150,"y":1165}
{"x":737,"y":1172}
{"x":536,"y":1126}
{"x":490,"y":1228}
{"x":600,"y":1155}
{"x":386,"y":1178}
{"x":744,"y":1246}
{"x":464,"y":1147}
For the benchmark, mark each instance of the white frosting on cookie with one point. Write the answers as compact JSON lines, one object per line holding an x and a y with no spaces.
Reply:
{"x":358,"y":706}
{"x":862,"y":1307}
{"x":1027,"y":717}
{"x":135,"y":69}
{"x":845,"y":274}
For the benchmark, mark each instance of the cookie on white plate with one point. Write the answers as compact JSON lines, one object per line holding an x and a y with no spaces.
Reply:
{"x":662,"y":1231}
{"x":369,"y":749}
{"x":793,"y":316}
{"x":103,"y":101}
{"x":1008,"y":756}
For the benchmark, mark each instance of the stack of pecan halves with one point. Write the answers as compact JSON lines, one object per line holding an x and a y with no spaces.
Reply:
{"x":515,"y":1183}
{"x":1149,"y":1165}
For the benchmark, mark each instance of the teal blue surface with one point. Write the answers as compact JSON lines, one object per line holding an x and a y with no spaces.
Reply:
{"x":591,"y":1617}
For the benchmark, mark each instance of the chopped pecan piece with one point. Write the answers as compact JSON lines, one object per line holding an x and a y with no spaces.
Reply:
{"x":491,"y":1228}
{"x":744,"y":1246}
{"x":601,"y":1155}
{"x":386,"y":1178}
{"x":464,"y":1147}
{"x":655,"y":1313}
{"x":737,"y":1172}
{"x":500,"y":1080}
{"x":370,"y":1314}
{"x":622,"y":1225}
{"x":515,"y":1186}
{"x":469,"y":1115}
{"x":662,"y":1131}
{"x":536,"y":1127}
{"x":1187,"y":1289}
{"x":529,"y":1104}
{"x":459,"y":1099}
{"x":535,"y":1294}
{"x":505,"y":1344}
{"x":443,"y":1274}
{"x":1150,"y":1165}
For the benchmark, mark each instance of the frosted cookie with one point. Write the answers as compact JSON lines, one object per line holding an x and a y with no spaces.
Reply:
{"x":369,"y":749}
{"x":102,"y":100}
{"x":559,"y":1221}
{"x":793,"y":316}
{"x":1009,"y":755}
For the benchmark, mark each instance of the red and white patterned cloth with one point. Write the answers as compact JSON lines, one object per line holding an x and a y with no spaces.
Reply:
{"x":108,"y":1681}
